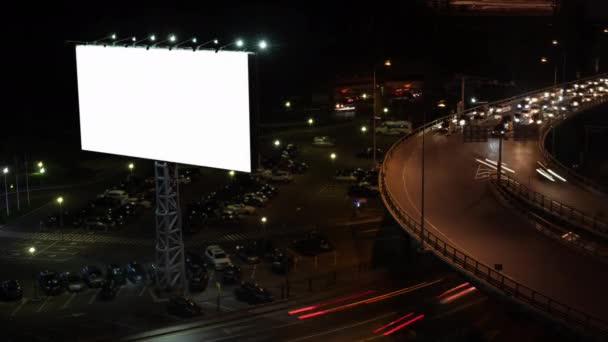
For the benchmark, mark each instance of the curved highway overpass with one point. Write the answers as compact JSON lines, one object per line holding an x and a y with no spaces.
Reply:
{"x":462,"y":212}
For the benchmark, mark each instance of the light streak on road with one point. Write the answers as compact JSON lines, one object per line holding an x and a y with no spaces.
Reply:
{"x":394,"y":322}
{"x":333,"y":301}
{"x":556,"y":175}
{"x":371,"y":300}
{"x":503,"y":165}
{"x":403,"y":325}
{"x":544,"y":174}
{"x":458,"y":295}
{"x":453,"y":289}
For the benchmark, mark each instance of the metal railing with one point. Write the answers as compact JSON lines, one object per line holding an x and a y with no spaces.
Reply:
{"x":556,"y":208}
{"x":587,"y":182}
{"x":470,"y":265}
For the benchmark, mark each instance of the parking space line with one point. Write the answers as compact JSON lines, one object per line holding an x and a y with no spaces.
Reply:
{"x":143,"y":290}
{"x":43,"y":304}
{"x":67,"y":302}
{"x":23,"y":301}
{"x":92,"y":299}
{"x":47,"y":247}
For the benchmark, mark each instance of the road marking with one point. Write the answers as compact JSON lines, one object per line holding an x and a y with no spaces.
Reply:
{"x":62,"y":249}
{"x":23,"y":301}
{"x":47,"y":247}
{"x":43,"y":304}
{"x":67,"y":302}
{"x":369,"y":231}
{"x":95,"y":293}
{"x":342,"y":328}
{"x":427,"y":221}
{"x":143,"y":290}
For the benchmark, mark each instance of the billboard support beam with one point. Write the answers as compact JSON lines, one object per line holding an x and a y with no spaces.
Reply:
{"x":170,"y":268}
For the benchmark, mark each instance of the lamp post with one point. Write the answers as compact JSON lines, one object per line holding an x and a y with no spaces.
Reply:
{"x":5,"y":172}
{"x":545,"y":60}
{"x":387,"y":64}
{"x":60,"y":202}
{"x":131,"y":166}
{"x":333,"y":156}
{"x":32,"y":252}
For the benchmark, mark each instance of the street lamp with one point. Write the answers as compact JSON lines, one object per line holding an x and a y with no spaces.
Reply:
{"x":332,"y":156}
{"x":385,"y":110}
{"x":545,"y":60}
{"x":40,"y":164}
{"x":311,"y":121}
{"x":364,"y":96}
{"x":263,"y":45}
{"x":60,"y":202}
{"x":387,"y":64}
{"x":554,"y":42}
{"x":131,"y":166}
{"x":363,"y":129}
{"x":5,"y":172}
{"x":239,"y":43}
{"x":287,"y":104}
{"x":473,"y":100}
{"x":42,"y":170}
{"x":277,"y":143}
{"x":231,"y":173}
{"x":32,"y":252}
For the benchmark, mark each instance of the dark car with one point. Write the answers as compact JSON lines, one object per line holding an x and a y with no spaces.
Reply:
{"x":249,"y":253}
{"x":269,"y":190}
{"x":281,"y":262}
{"x":92,"y":276}
{"x":96,"y":223}
{"x":231,"y":274}
{"x":109,"y":290}
{"x":362,"y":191}
{"x":50,"y":283}
{"x":312,"y":244}
{"x":252,"y":293}
{"x":183,"y":307}
{"x":198,"y":279}
{"x":193,"y":260}
{"x":11,"y":290}
{"x":116,"y":274}
{"x":72,"y":282}
{"x":136,"y":273}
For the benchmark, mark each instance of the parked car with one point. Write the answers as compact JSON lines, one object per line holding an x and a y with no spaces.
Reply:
{"x":252,"y":293}
{"x":120,"y":195}
{"x":97,"y":223}
{"x":50,"y":283}
{"x":183,"y":307}
{"x":92,"y":276}
{"x":109,"y":290}
{"x":345,"y":175}
{"x":217,"y":257}
{"x":72,"y":282}
{"x":249,"y":253}
{"x":116,"y":274}
{"x":281,"y":261}
{"x":241,"y":209}
{"x":322,"y":141}
{"x":231,"y":274}
{"x":11,"y":290}
{"x":198,"y":279}
{"x":281,"y":177}
{"x":136,"y":273}
{"x":312,"y":244}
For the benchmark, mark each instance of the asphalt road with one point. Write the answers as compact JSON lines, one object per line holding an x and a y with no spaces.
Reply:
{"x":460,"y":208}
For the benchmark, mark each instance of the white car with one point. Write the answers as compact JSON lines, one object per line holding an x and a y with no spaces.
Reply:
{"x":119,"y":195}
{"x":322,"y":141}
{"x":281,"y":176}
{"x":241,"y":208}
{"x":394,"y":128}
{"x":345,"y":176}
{"x":217,"y":257}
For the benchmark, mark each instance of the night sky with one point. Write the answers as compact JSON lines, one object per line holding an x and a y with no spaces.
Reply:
{"x":311,"y":46}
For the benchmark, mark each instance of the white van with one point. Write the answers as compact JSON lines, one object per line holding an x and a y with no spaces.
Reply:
{"x":394,"y":128}
{"x":119,"y":195}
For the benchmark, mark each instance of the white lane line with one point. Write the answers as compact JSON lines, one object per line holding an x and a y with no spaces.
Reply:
{"x":143,"y":290}
{"x":342,"y":328}
{"x":43,"y":304}
{"x":95,"y":293}
{"x":23,"y":301}
{"x":47,"y":247}
{"x":67,"y":302}
{"x":427,"y":221}
{"x":369,"y":231}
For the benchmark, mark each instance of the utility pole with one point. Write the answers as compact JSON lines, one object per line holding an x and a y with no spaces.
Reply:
{"x":17,"y":183}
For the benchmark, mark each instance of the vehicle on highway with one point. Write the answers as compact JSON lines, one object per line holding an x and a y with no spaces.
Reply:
{"x":252,"y":293}
{"x":322,"y":141}
{"x":312,"y":244}
{"x":72,"y":282}
{"x":49,"y":283}
{"x":109,"y":290}
{"x":394,"y":128}
{"x":345,"y":175}
{"x":217,"y":257}
{"x":241,"y":209}
{"x":116,"y":274}
{"x":231,"y":274}
{"x":92,"y":276}
{"x":136,"y":273}
{"x":183,"y":307}
{"x":11,"y":290}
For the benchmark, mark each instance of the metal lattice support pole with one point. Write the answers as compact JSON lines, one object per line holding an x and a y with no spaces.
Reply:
{"x":170,"y":271}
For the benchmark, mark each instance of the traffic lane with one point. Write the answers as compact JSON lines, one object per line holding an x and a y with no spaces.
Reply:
{"x":523,"y":156}
{"x":464,"y":212}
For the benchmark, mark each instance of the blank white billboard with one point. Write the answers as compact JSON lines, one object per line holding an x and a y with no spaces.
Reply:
{"x":168,"y":105}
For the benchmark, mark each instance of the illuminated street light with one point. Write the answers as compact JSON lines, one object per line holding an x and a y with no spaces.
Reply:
{"x":277,"y":143}
{"x":5,"y":172}
{"x":363,"y":129}
{"x":462,"y":122}
{"x":262,"y":44}
{"x":287,"y":104}
{"x":332,"y":156}
{"x":263,"y":219}
{"x":441,"y":105}
{"x":42,"y":170}
{"x":59,"y":199}
{"x":387,"y":62}
{"x":172,"y":38}
{"x":240,"y":43}
{"x":31,"y":250}
{"x":153,"y":37}
{"x":554,"y":42}
{"x":311,"y":121}
{"x":606,"y":30}
{"x":231,"y":173}
{"x":40,"y":164}
{"x":364,"y":96}
{"x":473,"y":100}
{"x":60,"y":202}
{"x":113,"y":36}
{"x":385,"y":110}
{"x":544,"y":60}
